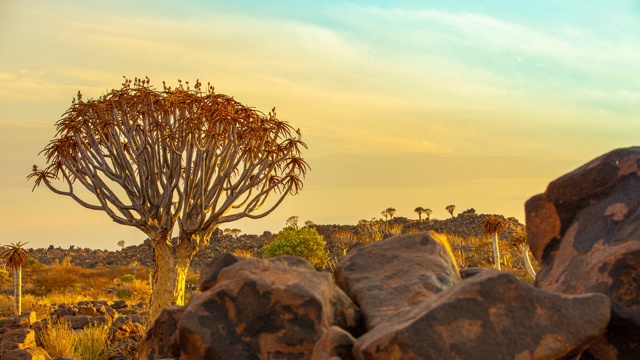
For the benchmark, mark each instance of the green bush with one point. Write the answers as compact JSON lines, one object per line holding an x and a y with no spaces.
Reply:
{"x":127,"y":278}
{"x":303,"y":242}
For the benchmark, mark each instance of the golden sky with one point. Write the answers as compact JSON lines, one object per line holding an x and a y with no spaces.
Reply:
{"x":402,"y":103}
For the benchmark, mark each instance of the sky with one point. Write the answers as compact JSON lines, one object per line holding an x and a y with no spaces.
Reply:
{"x":479,"y":104}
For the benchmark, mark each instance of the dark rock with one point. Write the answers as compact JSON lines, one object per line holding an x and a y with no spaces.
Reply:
{"x":209,"y":273}
{"x":160,"y":340}
{"x":334,"y":342}
{"x":469,"y":272}
{"x":119,"y":305}
{"x":31,"y":353}
{"x":492,"y":315}
{"x":388,"y":276}
{"x":597,"y":248}
{"x":276,"y":308}
{"x":78,"y":322}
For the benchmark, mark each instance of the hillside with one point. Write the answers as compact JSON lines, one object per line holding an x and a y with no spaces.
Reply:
{"x":464,"y":231}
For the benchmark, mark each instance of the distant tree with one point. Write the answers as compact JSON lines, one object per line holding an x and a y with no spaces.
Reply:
{"x":385,"y":213}
{"x":309,"y":223}
{"x":420,"y":211}
{"x":293,"y":221}
{"x":451,"y":209}
{"x":428,"y":213}
{"x":493,"y":225}
{"x":519,"y":240}
{"x":468,"y":212}
{"x":236,"y":232}
{"x":15,"y":257}
{"x":391,"y":211}
{"x":121,"y":244}
{"x":344,"y":239}
{"x":184,"y":159}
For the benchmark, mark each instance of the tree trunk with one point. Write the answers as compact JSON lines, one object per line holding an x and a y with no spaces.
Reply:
{"x":496,"y":250}
{"x":527,"y":260}
{"x":17,"y":290}
{"x":169,"y":278}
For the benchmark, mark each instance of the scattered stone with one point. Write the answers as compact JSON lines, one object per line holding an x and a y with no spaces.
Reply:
{"x":18,"y":338}
{"x":389,"y":276}
{"x":275,"y":308}
{"x":119,"y":304}
{"x":87,"y":310}
{"x":491,"y":315}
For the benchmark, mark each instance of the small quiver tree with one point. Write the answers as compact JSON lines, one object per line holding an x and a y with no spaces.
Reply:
{"x":450,"y":209}
{"x":15,"y":257}
{"x":182,"y":158}
{"x":519,"y":240}
{"x":344,"y":239}
{"x":493,"y":225}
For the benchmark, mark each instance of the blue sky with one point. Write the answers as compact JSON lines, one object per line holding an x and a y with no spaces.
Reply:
{"x":403,"y":103}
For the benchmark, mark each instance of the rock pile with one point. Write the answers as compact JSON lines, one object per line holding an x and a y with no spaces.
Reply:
{"x":18,"y":336}
{"x":403,"y":298}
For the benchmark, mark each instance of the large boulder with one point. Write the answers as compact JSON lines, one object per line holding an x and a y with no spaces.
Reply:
{"x":585,"y":232}
{"x":256,"y":308}
{"x":397,"y":273}
{"x":160,"y":340}
{"x":491,"y":315}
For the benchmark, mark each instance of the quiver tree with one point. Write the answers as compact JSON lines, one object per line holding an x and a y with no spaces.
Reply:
{"x":450,"y":209}
{"x":344,"y":239}
{"x":419,"y":210}
{"x":428,"y":213}
{"x":519,"y":240}
{"x":177,"y":159}
{"x":390,"y":211}
{"x":15,"y":257}
{"x":493,"y":225}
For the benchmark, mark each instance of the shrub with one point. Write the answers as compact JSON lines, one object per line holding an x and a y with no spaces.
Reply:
{"x":304,"y":242}
{"x":127,"y":278}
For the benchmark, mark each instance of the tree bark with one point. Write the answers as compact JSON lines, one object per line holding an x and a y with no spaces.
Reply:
{"x":17,"y":290}
{"x":169,"y":278}
{"x":496,"y":250}
{"x":527,"y":261}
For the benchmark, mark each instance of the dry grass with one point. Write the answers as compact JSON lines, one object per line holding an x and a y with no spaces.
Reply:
{"x":92,"y":343}
{"x":58,"y":339}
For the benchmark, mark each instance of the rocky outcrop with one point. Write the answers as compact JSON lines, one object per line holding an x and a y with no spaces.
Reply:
{"x":275,"y":308}
{"x":395,"y":274}
{"x":585,"y":232}
{"x":491,"y":315}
